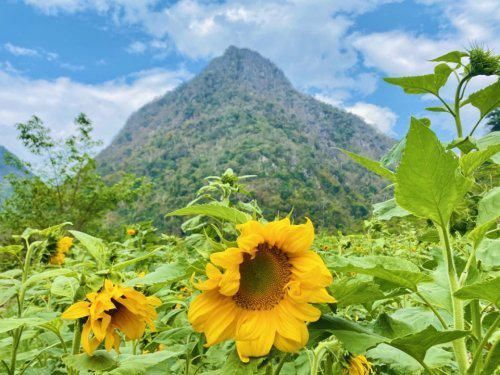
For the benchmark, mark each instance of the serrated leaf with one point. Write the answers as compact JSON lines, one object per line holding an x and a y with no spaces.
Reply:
{"x":487,"y":99}
{"x":426,"y":84}
{"x":63,"y":286}
{"x":36,"y":278}
{"x":388,"y":210}
{"x":489,"y":206}
{"x":417,"y":344}
{"x":452,"y":57}
{"x":487,"y":253}
{"x":101,"y":360}
{"x":473,"y":160}
{"x":391,"y":328}
{"x":354,"y":291}
{"x":397,"y":271}
{"x":95,"y":246}
{"x":355,"y":338}
{"x":393,"y":157}
{"x":229,"y":214}
{"x":477,"y":234}
{"x":487,"y":290}
{"x":371,"y":165}
{"x":429,"y":183}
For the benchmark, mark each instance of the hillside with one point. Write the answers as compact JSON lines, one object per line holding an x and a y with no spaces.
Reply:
{"x":6,"y":169}
{"x":242,"y":112}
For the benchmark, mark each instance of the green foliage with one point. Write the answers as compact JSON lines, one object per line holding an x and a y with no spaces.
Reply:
{"x":66,"y":186}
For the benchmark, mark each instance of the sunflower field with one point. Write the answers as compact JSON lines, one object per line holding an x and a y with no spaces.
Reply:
{"x":417,"y":292}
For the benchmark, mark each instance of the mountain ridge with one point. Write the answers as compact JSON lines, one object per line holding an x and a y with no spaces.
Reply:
{"x":242,"y":112}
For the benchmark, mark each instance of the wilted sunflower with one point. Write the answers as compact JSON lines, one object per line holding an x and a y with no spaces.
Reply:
{"x":62,"y":248}
{"x":357,"y":365}
{"x":111,"y":309}
{"x":262,"y":297}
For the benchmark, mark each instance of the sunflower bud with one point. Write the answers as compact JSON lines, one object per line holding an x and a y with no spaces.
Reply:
{"x":483,"y":62}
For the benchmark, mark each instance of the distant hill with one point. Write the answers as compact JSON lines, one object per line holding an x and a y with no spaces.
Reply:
{"x":6,"y":169}
{"x":242,"y":112}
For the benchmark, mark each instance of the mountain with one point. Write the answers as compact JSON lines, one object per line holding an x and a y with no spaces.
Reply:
{"x":7,"y":168}
{"x":242,"y":112}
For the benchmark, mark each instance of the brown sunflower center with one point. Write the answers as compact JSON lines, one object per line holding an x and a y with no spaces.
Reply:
{"x":263,"y":279}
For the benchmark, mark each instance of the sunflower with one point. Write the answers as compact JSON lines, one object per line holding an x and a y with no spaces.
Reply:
{"x":62,"y":247}
{"x":131,"y":232}
{"x":357,"y":365}
{"x":114,"y":308}
{"x":262,"y":295}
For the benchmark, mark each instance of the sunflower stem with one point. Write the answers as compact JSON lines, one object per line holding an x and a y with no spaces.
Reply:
{"x":75,"y":348}
{"x":459,"y":347}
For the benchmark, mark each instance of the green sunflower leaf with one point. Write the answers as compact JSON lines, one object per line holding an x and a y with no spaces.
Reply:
{"x":485,"y":290}
{"x":452,"y":57}
{"x":101,"y":360}
{"x":219,"y":212}
{"x":371,"y":165}
{"x":426,"y":84}
{"x":486,"y":100}
{"x":438,"y":186}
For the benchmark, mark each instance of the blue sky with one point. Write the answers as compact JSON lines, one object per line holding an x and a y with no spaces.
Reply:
{"x":109,"y":57}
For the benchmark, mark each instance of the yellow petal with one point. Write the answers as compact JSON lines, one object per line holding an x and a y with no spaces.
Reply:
{"x":299,"y":238}
{"x":227,"y":258}
{"x":76,"y":311}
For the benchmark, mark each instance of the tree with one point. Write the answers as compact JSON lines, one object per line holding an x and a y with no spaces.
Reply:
{"x":64,"y":186}
{"x":494,"y":120}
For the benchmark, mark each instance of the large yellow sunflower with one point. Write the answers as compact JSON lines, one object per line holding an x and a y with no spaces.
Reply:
{"x":111,"y":309}
{"x":260,"y":292}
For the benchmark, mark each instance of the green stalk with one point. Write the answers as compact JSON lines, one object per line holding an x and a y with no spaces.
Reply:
{"x":458,"y":122}
{"x":16,"y":338}
{"x":479,"y":350}
{"x":459,"y":347}
{"x":475,"y":313}
{"x":75,"y":348}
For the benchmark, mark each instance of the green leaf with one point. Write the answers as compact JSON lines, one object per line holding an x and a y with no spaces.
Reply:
{"x":388,"y":210}
{"x":220,"y":212}
{"x":233,"y":366}
{"x":492,"y":138}
{"x":397,"y":271}
{"x":429,"y":183}
{"x":393,"y":157}
{"x":64,"y":287}
{"x":35,"y":279}
{"x":486,"y":99}
{"x":436,"y":109}
{"x":486,"y":290}
{"x":489,"y":206}
{"x":9,"y":324}
{"x":355,"y":338}
{"x":371,"y":165}
{"x":465,"y":145}
{"x":138,"y":364}
{"x":477,"y":234}
{"x":354,"y":291}
{"x":487,"y":253}
{"x":391,"y":328}
{"x":164,"y":274}
{"x":417,"y":344}
{"x":101,"y":360}
{"x":473,"y":160}
{"x":426,"y":84}
{"x":452,"y":57}
{"x":95,"y":246}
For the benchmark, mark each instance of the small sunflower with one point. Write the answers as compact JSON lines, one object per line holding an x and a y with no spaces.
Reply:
{"x":62,"y":247}
{"x":114,"y":308}
{"x":262,"y":295}
{"x":131,"y":232}
{"x":357,"y":365}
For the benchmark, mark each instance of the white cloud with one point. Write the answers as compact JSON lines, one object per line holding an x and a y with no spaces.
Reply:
{"x":137,"y":48}
{"x":381,"y":118}
{"x":19,"y":51}
{"x":59,"y":101}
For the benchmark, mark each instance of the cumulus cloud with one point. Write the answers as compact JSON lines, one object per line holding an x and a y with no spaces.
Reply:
{"x":381,"y":118}
{"x":59,"y":101}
